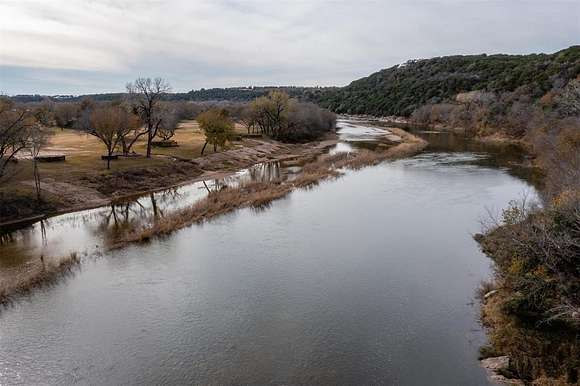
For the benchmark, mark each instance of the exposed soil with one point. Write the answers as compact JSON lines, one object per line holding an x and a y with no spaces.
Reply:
{"x":92,"y":189}
{"x":104,"y":188}
{"x":260,"y":194}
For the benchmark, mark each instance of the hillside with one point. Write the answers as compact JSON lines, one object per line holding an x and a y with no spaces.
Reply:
{"x":401,"y":89}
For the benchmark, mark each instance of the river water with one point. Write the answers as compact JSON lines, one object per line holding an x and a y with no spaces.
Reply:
{"x":368,"y":279}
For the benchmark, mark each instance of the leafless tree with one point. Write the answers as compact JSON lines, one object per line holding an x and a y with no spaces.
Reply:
{"x":145,"y":96}
{"x":105,"y":124}
{"x":37,"y":139}
{"x":168,"y":124}
{"x":130,"y":129}
{"x":65,"y":114}
{"x":15,"y":125}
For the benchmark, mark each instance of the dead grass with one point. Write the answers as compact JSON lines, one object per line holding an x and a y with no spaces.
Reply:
{"x":260,"y":194}
{"x":541,"y":358}
{"x":84,"y":182}
{"x":255,"y":195}
{"x":44,"y":275}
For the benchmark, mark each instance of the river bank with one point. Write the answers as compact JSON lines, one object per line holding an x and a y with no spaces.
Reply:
{"x":91,"y":190}
{"x":314,"y":167}
{"x":308,"y":291}
{"x":260,"y":194}
{"x":496,"y":138}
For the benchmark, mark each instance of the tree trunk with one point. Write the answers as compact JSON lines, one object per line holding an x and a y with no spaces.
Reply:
{"x":36,"y":179}
{"x":125,"y":147}
{"x":149,"y":139}
{"x":203,"y":148}
{"x":154,"y":205}
{"x":149,"y":133}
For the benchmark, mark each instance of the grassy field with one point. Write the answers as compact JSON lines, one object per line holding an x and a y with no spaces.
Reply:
{"x":84,"y":169}
{"x":83,"y":154}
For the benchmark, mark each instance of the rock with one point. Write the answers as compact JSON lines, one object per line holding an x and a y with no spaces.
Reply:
{"x":393,"y":138}
{"x":501,"y":380}
{"x":495,"y":365}
{"x":490,"y":294}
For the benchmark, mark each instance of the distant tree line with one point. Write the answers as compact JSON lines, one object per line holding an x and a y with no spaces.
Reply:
{"x":402,"y":89}
{"x":230,"y":94}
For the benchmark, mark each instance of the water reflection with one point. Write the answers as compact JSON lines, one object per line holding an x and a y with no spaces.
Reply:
{"x":506,"y":156}
{"x":363,"y":280}
{"x":89,"y":230}
{"x":360,"y":281}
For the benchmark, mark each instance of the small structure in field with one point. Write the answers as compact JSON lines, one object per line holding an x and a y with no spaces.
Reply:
{"x":251,"y":135}
{"x":51,"y":158}
{"x":167,"y":143}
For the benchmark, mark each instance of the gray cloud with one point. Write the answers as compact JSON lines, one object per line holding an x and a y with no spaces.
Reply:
{"x":61,"y":46}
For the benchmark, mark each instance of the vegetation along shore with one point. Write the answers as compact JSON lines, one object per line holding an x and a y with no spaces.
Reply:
{"x":149,"y":138}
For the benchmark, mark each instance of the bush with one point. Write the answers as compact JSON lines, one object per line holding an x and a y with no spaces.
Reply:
{"x":307,"y":122}
{"x":537,"y":253}
{"x":285,"y":119}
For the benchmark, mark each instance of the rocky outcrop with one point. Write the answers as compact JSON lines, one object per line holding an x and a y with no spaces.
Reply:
{"x":494,"y":366}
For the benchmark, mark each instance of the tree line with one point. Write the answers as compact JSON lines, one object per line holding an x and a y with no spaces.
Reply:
{"x":144,"y":112}
{"x":402,"y":89}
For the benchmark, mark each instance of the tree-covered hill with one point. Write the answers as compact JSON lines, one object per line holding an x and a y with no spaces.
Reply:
{"x":401,"y":89}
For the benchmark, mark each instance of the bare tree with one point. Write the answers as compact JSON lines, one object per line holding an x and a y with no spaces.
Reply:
{"x":168,"y":124}
{"x":37,"y":139}
{"x":15,"y":124}
{"x":66,"y":113}
{"x":130,"y":129}
{"x":105,"y":124}
{"x":145,"y":96}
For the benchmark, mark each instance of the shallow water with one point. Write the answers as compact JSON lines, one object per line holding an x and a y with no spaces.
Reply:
{"x":368,"y":279}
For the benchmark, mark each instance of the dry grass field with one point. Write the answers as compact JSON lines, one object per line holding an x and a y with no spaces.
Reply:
{"x":83,"y":154}
{"x":84,"y":176}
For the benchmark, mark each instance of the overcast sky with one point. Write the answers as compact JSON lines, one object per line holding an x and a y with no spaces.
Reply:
{"x":90,"y":46}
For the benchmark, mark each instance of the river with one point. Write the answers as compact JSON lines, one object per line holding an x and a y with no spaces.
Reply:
{"x":367,"y":279}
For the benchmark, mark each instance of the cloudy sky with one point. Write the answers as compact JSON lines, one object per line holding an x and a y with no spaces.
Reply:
{"x":88,"y":46}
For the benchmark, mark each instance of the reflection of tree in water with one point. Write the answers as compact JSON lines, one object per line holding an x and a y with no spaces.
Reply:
{"x":131,"y":214}
{"x":265,"y":172}
{"x":120,"y":215}
{"x":25,"y":236}
{"x":43,"y":232}
{"x":156,"y":211}
{"x":7,"y":238}
{"x":166,"y":198}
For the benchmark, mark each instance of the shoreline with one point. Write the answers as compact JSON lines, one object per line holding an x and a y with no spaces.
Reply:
{"x":294,"y":151}
{"x":406,"y":123}
{"x":317,"y":167}
{"x":260,"y":194}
